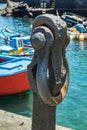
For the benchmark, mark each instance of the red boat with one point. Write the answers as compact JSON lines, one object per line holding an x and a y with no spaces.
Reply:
{"x":13,"y":75}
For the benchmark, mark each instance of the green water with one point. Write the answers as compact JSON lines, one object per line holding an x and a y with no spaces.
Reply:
{"x":72,"y":112}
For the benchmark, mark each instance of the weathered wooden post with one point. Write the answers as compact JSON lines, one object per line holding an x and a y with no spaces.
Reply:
{"x":48,"y":73}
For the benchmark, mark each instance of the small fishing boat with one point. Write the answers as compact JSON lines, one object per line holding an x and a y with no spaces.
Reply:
{"x":80,"y":28}
{"x":13,"y":74}
{"x":11,"y":51}
{"x":79,"y":31}
{"x":7,"y":34}
{"x":15,"y":44}
{"x":72,"y":19}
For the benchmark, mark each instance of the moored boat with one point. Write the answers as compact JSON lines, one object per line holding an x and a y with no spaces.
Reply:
{"x":79,"y":31}
{"x":72,"y":19}
{"x":11,"y":51}
{"x":15,"y":44}
{"x":13,"y":75}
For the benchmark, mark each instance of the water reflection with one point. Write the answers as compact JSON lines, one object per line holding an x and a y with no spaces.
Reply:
{"x":75,"y":45}
{"x":83,"y":45}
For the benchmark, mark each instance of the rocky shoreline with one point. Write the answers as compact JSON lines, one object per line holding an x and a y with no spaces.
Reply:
{"x":20,"y":9}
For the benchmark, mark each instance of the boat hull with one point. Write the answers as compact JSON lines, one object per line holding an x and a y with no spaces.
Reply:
{"x":14,"y":84}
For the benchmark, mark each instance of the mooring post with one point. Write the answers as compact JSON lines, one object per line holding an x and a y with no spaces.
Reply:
{"x":48,"y":73}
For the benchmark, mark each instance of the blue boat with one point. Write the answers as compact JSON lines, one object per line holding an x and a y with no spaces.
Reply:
{"x":7,"y":34}
{"x":14,"y":39}
{"x":80,"y":28}
{"x":13,"y":75}
{"x":15,"y":44}
{"x":72,"y":19}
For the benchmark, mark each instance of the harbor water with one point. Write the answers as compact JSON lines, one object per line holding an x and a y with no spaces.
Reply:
{"x":3,"y":5}
{"x":72,"y":112}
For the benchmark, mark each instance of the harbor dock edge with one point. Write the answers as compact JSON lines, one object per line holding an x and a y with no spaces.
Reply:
{"x":12,"y":121}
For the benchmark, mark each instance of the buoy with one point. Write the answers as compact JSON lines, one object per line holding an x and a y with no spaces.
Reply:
{"x":81,"y":37}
